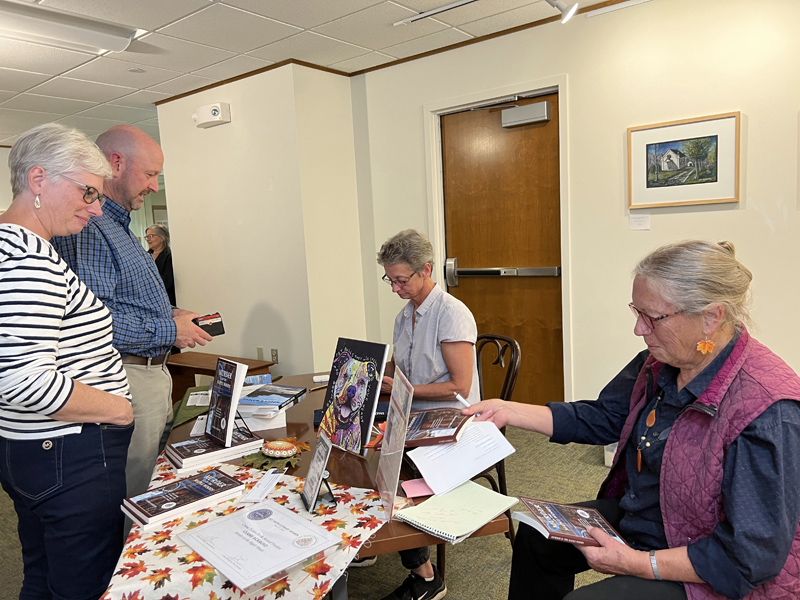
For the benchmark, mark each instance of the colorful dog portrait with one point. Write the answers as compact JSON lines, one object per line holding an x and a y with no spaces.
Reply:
{"x":356,"y":378}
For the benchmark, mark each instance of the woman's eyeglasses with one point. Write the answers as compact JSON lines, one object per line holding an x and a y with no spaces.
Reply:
{"x":651,"y":321}
{"x":90,"y":194}
{"x":400,"y":281}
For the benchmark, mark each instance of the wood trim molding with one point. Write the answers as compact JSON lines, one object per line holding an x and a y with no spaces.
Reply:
{"x":400,"y":61}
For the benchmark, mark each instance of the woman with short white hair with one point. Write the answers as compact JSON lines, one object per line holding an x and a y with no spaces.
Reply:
{"x":65,"y":412}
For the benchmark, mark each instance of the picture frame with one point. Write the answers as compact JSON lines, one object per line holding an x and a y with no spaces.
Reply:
{"x":159,"y":213}
{"x":685,"y":162}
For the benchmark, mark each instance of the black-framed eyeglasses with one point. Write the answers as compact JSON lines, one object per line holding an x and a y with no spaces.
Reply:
{"x":90,"y":194}
{"x":651,"y":321}
{"x":400,"y":281}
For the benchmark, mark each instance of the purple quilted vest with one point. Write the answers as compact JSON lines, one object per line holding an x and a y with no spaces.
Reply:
{"x":751,"y":380}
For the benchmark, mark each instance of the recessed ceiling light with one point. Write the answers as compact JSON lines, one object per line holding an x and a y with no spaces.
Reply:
{"x":136,"y":70}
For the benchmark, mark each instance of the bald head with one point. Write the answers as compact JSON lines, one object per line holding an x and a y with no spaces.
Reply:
{"x":136,"y":161}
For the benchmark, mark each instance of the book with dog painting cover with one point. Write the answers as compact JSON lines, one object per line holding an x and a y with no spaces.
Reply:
{"x":564,"y":522}
{"x":224,"y":400}
{"x":352,"y":395}
{"x":182,"y":496}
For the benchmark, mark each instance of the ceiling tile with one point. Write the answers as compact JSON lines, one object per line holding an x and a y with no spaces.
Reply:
{"x":148,"y":122}
{"x":373,"y":59}
{"x":183,"y":84}
{"x":89,"y":124}
{"x":310,"y":47}
{"x":427,"y":43}
{"x":19,"y":81}
{"x":8,"y":141}
{"x":141,"y":99}
{"x":6,"y":95}
{"x":468,"y":12}
{"x":18,"y":121}
{"x":171,"y":53}
{"x":507,"y":20}
{"x":372,"y":27}
{"x":229,"y":28}
{"x":151,"y":130}
{"x":41,"y":59}
{"x":306,"y":14}
{"x":233,"y":67}
{"x":117,"y":72}
{"x":59,"y":106}
{"x":118,"y":113}
{"x":144,"y":14}
{"x":66,"y":87}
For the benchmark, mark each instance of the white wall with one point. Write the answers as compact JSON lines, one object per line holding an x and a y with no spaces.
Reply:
{"x":263,"y":215}
{"x":620,"y":70}
{"x":5,"y":180}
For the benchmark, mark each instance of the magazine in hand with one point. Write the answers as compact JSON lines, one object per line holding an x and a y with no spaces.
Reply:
{"x":564,"y":522}
{"x":352,"y":395}
{"x":180,"y":497}
{"x":224,"y":399}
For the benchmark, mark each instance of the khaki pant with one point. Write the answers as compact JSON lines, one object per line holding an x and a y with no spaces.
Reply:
{"x":151,"y":390}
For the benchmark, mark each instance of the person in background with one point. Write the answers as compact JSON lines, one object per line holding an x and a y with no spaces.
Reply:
{"x":705,"y":484}
{"x":434,"y":346}
{"x":65,"y":411}
{"x":112,"y":262}
{"x":158,"y":242}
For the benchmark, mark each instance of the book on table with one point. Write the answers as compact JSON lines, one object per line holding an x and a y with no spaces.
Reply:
{"x":431,"y":427}
{"x":256,"y":546}
{"x":446,"y":466}
{"x":351,"y":399}
{"x":459,"y":513}
{"x":177,"y":498}
{"x":224,"y":400}
{"x":204,"y":451}
{"x":564,"y":522}
{"x":274,"y":396}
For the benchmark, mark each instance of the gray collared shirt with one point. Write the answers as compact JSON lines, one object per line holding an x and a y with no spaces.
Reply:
{"x":418,"y":353}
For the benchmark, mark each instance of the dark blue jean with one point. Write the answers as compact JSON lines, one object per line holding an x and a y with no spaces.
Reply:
{"x":67,"y":492}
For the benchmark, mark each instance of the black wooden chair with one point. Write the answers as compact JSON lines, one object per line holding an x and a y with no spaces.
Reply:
{"x":507,"y":358}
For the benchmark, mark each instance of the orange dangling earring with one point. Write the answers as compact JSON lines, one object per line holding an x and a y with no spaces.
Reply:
{"x":36,"y":202}
{"x":705,"y":346}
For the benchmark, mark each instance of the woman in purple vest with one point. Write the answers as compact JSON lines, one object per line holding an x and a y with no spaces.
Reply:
{"x":705,"y":484}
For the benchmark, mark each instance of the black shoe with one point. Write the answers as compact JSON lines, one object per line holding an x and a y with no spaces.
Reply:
{"x":364,"y":562}
{"x":416,"y":588}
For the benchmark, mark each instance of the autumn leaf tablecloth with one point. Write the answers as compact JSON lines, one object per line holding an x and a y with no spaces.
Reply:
{"x":156,"y":565}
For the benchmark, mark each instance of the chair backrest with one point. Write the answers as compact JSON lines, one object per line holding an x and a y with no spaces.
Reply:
{"x":507,"y":357}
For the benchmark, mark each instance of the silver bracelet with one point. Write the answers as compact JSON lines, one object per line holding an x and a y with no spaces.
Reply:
{"x":653,"y":564}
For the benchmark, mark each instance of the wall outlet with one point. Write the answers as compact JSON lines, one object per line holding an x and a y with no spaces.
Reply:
{"x":259,"y":353}
{"x":275,"y":355}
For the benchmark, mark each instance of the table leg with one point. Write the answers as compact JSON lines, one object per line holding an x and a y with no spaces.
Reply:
{"x":339,"y":590}
{"x":440,"y":552}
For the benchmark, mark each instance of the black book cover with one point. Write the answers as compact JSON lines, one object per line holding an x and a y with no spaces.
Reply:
{"x":225,"y":390}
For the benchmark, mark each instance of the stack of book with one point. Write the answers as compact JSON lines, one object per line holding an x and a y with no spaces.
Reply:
{"x":274,"y":397}
{"x":198,"y":453}
{"x":181,"y":497}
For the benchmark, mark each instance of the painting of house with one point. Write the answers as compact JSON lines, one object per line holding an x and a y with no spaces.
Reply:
{"x":672,"y":160}
{"x":682,"y":162}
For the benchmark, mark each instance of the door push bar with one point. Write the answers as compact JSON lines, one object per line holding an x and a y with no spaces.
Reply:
{"x":452,"y":272}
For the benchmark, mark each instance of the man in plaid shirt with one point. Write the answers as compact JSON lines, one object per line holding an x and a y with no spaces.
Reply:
{"x":115,"y":266}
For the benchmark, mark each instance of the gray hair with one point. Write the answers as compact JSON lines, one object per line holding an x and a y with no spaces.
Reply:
{"x":410,"y":247}
{"x":694,"y":274}
{"x":161,"y":231}
{"x":57,"y":149}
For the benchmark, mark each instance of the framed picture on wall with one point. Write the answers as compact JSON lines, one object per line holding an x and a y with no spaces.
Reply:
{"x":159,"y":214}
{"x":686,"y":162}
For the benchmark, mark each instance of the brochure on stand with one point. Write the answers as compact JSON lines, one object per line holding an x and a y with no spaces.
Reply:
{"x":225,"y":391}
{"x":316,"y":472}
{"x":391,"y":459}
{"x":444,"y":467}
{"x":252,"y":547}
{"x":352,"y":395}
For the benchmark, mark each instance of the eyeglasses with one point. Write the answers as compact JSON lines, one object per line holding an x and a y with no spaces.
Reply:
{"x":149,"y":235}
{"x":650,"y":321}
{"x":91,"y":194}
{"x":400,"y":282}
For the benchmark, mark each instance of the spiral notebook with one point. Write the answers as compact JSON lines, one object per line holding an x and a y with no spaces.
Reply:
{"x":456,"y":515}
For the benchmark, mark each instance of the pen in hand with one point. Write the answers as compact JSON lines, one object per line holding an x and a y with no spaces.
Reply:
{"x":460,"y":398}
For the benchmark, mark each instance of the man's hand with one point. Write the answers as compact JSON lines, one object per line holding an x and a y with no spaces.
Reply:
{"x":188,"y":334}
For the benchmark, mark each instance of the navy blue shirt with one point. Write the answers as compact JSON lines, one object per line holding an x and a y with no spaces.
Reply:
{"x":761,"y":476}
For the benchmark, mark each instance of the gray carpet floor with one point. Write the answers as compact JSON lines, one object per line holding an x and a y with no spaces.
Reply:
{"x":476,"y":568}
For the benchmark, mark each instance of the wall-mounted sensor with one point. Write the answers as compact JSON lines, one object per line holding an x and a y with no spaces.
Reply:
{"x":212,"y":114}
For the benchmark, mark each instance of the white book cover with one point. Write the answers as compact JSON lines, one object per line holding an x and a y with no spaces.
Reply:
{"x":251,"y":545}
{"x":446,"y":466}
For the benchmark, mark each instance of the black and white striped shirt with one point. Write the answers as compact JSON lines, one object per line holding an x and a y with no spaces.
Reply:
{"x":53,"y":331}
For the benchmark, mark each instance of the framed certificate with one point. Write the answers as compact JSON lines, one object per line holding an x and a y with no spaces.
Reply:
{"x":316,"y":471}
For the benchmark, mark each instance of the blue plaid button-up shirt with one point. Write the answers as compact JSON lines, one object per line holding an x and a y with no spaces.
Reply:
{"x":109,"y":259}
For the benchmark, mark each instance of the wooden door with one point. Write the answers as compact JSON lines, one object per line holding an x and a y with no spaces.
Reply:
{"x":501,"y":195}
